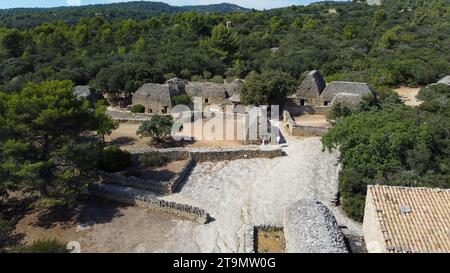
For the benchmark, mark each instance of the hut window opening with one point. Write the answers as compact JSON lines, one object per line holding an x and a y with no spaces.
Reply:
{"x":206,"y":100}
{"x":326,"y":103}
{"x":302,"y":102}
{"x":164,"y":110}
{"x":150,"y":111}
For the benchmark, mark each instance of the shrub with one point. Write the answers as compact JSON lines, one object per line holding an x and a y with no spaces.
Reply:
{"x":113,"y":159}
{"x":153,"y":160}
{"x":44,"y":246}
{"x":158,"y":127}
{"x":5,"y":228}
{"x":132,"y":173}
{"x":138,"y":108}
{"x":182,"y":99}
{"x":338,"y":110}
{"x":217,"y":79}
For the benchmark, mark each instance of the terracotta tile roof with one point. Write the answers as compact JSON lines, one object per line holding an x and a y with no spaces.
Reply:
{"x":413,"y":219}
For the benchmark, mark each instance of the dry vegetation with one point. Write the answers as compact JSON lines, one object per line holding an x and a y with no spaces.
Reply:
{"x":270,"y":240}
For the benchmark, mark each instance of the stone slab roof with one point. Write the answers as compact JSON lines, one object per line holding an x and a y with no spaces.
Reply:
{"x":312,"y":86}
{"x":82,"y":91}
{"x":207,"y":90}
{"x":161,"y":93}
{"x":310,"y":227}
{"x":413,"y":219}
{"x":357,"y":88}
{"x":445,"y":80}
{"x":347,"y":99}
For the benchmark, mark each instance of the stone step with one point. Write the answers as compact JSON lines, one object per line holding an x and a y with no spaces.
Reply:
{"x":148,"y":200}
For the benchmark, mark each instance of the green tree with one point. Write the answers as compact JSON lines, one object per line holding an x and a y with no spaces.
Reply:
{"x":267,"y":88}
{"x":11,"y":43}
{"x":223,"y":43}
{"x":182,"y":99}
{"x":157,"y":128}
{"x":42,"y":149}
{"x":103,"y":122}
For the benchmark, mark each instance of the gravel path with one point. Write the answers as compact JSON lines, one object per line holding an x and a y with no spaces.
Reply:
{"x":244,"y":193}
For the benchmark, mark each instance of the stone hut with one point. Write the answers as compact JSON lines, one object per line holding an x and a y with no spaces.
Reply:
{"x":157,"y":98}
{"x":346,"y":99}
{"x":445,"y":80}
{"x":84,"y":92}
{"x":211,"y":93}
{"x":311,"y":88}
{"x":235,"y":87}
{"x":310,"y":227}
{"x":337,"y":87}
{"x":374,"y":2}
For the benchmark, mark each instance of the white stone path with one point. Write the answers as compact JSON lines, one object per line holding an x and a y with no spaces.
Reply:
{"x":243,"y":193}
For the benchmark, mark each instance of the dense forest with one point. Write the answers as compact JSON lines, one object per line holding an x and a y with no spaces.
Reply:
{"x":398,"y":43}
{"x":139,"y":10}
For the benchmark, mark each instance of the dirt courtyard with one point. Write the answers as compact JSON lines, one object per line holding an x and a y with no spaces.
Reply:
{"x":239,"y":195}
{"x":100,"y":226}
{"x":408,"y":95}
{"x":126,"y":137}
{"x":311,"y":120}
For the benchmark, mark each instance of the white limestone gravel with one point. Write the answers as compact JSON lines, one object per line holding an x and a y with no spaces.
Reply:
{"x":310,"y":227}
{"x":244,"y":193}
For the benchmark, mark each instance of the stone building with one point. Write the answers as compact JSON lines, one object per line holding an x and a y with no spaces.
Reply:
{"x":356,"y":88}
{"x":156,"y":98}
{"x":407,"y":220}
{"x":346,"y":99}
{"x":374,"y":2}
{"x":211,"y":93}
{"x":309,"y":91}
{"x":84,"y":91}
{"x":310,"y":227}
{"x":445,"y":80}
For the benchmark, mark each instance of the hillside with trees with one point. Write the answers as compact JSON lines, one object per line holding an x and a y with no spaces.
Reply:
{"x":139,"y":10}
{"x":387,"y":46}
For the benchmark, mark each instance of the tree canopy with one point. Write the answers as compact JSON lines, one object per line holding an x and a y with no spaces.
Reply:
{"x":394,"y":145}
{"x":386,"y":45}
{"x":44,"y":148}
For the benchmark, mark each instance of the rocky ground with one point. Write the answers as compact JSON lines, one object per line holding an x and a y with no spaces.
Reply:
{"x":245,"y":193}
{"x":238,"y":194}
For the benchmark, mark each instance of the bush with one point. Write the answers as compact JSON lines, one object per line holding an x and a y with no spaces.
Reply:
{"x":182,"y":100}
{"x":113,"y":159}
{"x":132,"y":173}
{"x":158,"y":127}
{"x":44,"y":246}
{"x":5,"y":228}
{"x":153,"y":160}
{"x":138,"y":108}
{"x":354,"y":206}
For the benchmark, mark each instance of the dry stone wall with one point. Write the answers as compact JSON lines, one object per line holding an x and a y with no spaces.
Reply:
{"x":216,"y":154}
{"x":124,"y":116}
{"x":160,"y":187}
{"x":310,"y":227}
{"x":302,"y":130}
{"x":148,"y":200}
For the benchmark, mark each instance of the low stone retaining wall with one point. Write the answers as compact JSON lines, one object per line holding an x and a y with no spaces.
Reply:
{"x":301,"y":130}
{"x":159,"y":187}
{"x":294,"y":107}
{"x":216,"y":154}
{"x":148,"y":200}
{"x":123,"y":116}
